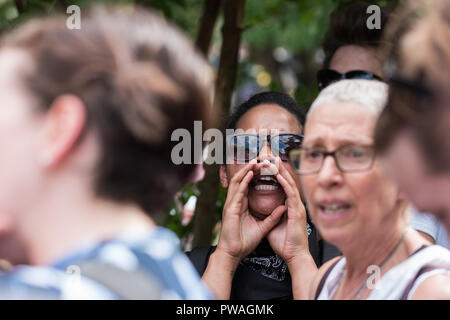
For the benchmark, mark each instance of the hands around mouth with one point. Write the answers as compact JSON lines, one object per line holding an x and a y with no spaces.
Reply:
{"x":241,"y":232}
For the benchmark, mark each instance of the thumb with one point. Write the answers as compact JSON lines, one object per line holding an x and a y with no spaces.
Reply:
{"x":271,"y":221}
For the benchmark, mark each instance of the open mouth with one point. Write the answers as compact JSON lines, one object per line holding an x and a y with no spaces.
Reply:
{"x":334,"y":208}
{"x":265,"y":183}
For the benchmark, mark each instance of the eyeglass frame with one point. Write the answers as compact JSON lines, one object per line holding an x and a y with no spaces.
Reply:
{"x":336,"y":161}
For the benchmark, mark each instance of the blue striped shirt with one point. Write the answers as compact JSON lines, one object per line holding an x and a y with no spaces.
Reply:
{"x":155,"y":254}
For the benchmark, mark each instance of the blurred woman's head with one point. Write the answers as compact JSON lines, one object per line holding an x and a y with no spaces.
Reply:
{"x":98,"y":104}
{"x":413,"y":128}
{"x":265,"y":114}
{"x":349,"y":196}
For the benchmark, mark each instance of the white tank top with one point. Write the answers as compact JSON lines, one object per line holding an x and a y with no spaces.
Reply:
{"x":401,"y":281}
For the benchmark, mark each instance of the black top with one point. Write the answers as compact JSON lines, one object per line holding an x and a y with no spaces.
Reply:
{"x":262,"y":275}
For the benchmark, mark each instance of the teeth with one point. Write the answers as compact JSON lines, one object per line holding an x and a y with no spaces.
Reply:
{"x":334,"y":208}
{"x":267,"y":178}
{"x":265,"y":187}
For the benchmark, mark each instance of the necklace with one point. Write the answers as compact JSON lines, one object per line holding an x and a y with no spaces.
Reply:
{"x":360,"y":289}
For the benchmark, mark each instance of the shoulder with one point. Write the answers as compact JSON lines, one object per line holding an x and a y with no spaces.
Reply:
{"x":425,"y":223}
{"x":151,"y":258}
{"x":26,"y":282}
{"x":159,"y":254}
{"x":320,"y":274}
{"x":43,"y":283}
{"x":434,"y":255}
{"x":435,"y":287}
{"x":433,"y":279}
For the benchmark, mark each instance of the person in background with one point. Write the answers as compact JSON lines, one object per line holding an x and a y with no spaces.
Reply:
{"x":430,"y":227}
{"x":413,"y":128}
{"x":85,"y":141}
{"x":358,"y":208}
{"x":263,"y":205}
{"x":352,"y":51}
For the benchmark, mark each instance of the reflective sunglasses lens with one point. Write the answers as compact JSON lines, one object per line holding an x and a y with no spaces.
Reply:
{"x":359,"y":74}
{"x":294,"y":157}
{"x":244,"y":147}
{"x":284,"y":144}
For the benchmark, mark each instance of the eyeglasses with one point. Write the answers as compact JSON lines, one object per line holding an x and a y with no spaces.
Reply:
{"x":325,"y":77}
{"x":349,"y":158}
{"x":245,"y":147}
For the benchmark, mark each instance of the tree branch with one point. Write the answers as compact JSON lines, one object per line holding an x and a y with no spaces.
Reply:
{"x":211,"y":10}
{"x":20,"y":6}
{"x":225,"y":82}
{"x":63,"y":4}
{"x":229,"y":55}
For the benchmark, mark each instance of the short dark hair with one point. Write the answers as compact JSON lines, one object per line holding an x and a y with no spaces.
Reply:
{"x":348,"y":27}
{"x":139,"y":79}
{"x":270,"y":97}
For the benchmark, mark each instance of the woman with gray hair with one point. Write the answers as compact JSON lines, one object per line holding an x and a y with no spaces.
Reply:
{"x":357,"y":208}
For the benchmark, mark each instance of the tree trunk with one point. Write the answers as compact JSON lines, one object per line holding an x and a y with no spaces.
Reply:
{"x":208,"y":21}
{"x":225,"y":82}
{"x":20,"y":6}
{"x":63,"y":4}
{"x":229,"y":54}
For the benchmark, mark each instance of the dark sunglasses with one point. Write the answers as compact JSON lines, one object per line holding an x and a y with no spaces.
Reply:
{"x":245,"y":147}
{"x":325,"y":77}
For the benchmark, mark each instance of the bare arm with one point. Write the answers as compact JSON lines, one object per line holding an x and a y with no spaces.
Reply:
{"x":219,"y":274}
{"x":239,"y":236}
{"x":303,"y":271}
